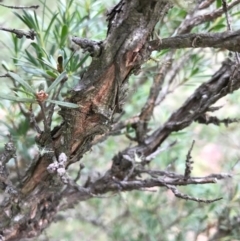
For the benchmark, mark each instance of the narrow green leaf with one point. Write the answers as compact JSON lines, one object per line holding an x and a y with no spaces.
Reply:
{"x":62,"y":103}
{"x":45,"y":52}
{"x":17,"y":99}
{"x":83,"y":60}
{"x":68,"y":59}
{"x":194,"y":71}
{"x":64,"y":35}
{"x":30,"y":21}
{"x":52,"y":49}
{"x":37,"y":49}
{"x":219,"y":3}
{"x":56,"y":81}
{"x":31,"y":59}
{"x":53,"y":61}
{"x":43,"y":14}
{"x":35,"y":72}
{"x":20,"y":17}
{"x":36,"y":20}
{"x":46,"y":6}
{"x":50,"y":73}
{"x":56,"y":35}
{"x":5,"y":65}
{"x":49,"y":28}
{"x":20,"y":90}
{"x":70,"y":4}
{"x":217,"y":27}
{"x":47,"y":63}
{"x":22,"y":82}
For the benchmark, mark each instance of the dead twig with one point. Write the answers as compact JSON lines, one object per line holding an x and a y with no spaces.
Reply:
{"x":20,"y":33}
{"x":20,"y":7}
{"x":189,"y":162}
{"x":187,"y":197}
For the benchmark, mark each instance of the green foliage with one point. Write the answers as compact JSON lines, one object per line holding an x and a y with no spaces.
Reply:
{"x":22,"y":82}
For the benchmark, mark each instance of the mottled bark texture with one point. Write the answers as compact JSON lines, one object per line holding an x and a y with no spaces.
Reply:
{"x":98,"y":95}
{"x":31,"y":207}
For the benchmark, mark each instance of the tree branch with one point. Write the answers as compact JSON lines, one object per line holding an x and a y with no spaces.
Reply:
{"x":224,"y":40}
{"x":224,"y":81}
{"x":20,"y":7}
{"x":20,"y":33}
{"x":190,"y":23}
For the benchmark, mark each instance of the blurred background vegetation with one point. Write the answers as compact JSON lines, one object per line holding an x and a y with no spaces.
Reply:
{"x":148,"y":215}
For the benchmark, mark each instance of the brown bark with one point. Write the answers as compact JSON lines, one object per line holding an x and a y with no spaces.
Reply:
{"x":99,"y":95}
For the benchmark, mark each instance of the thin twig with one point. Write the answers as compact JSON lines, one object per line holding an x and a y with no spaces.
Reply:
{"x":178,"y":65}
{"x":46,"y":126}
{"x":187,"y":25}
{"x":225,"y":9}
{"x":206,"y":119}
{"x":188,"y":167}
{"x":159,"y":150}
{"x":187,"y":197}
{"x":33,"y":120}
{"x":17,"y":169}
{"x":81,"y":166}
{"x":4,"y":75}
{"x":147,"y":110}
{"x":20,"y":7}
{"x":20,"y":33}
{"x":52,"y":106}
{"x":205,"y":4}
